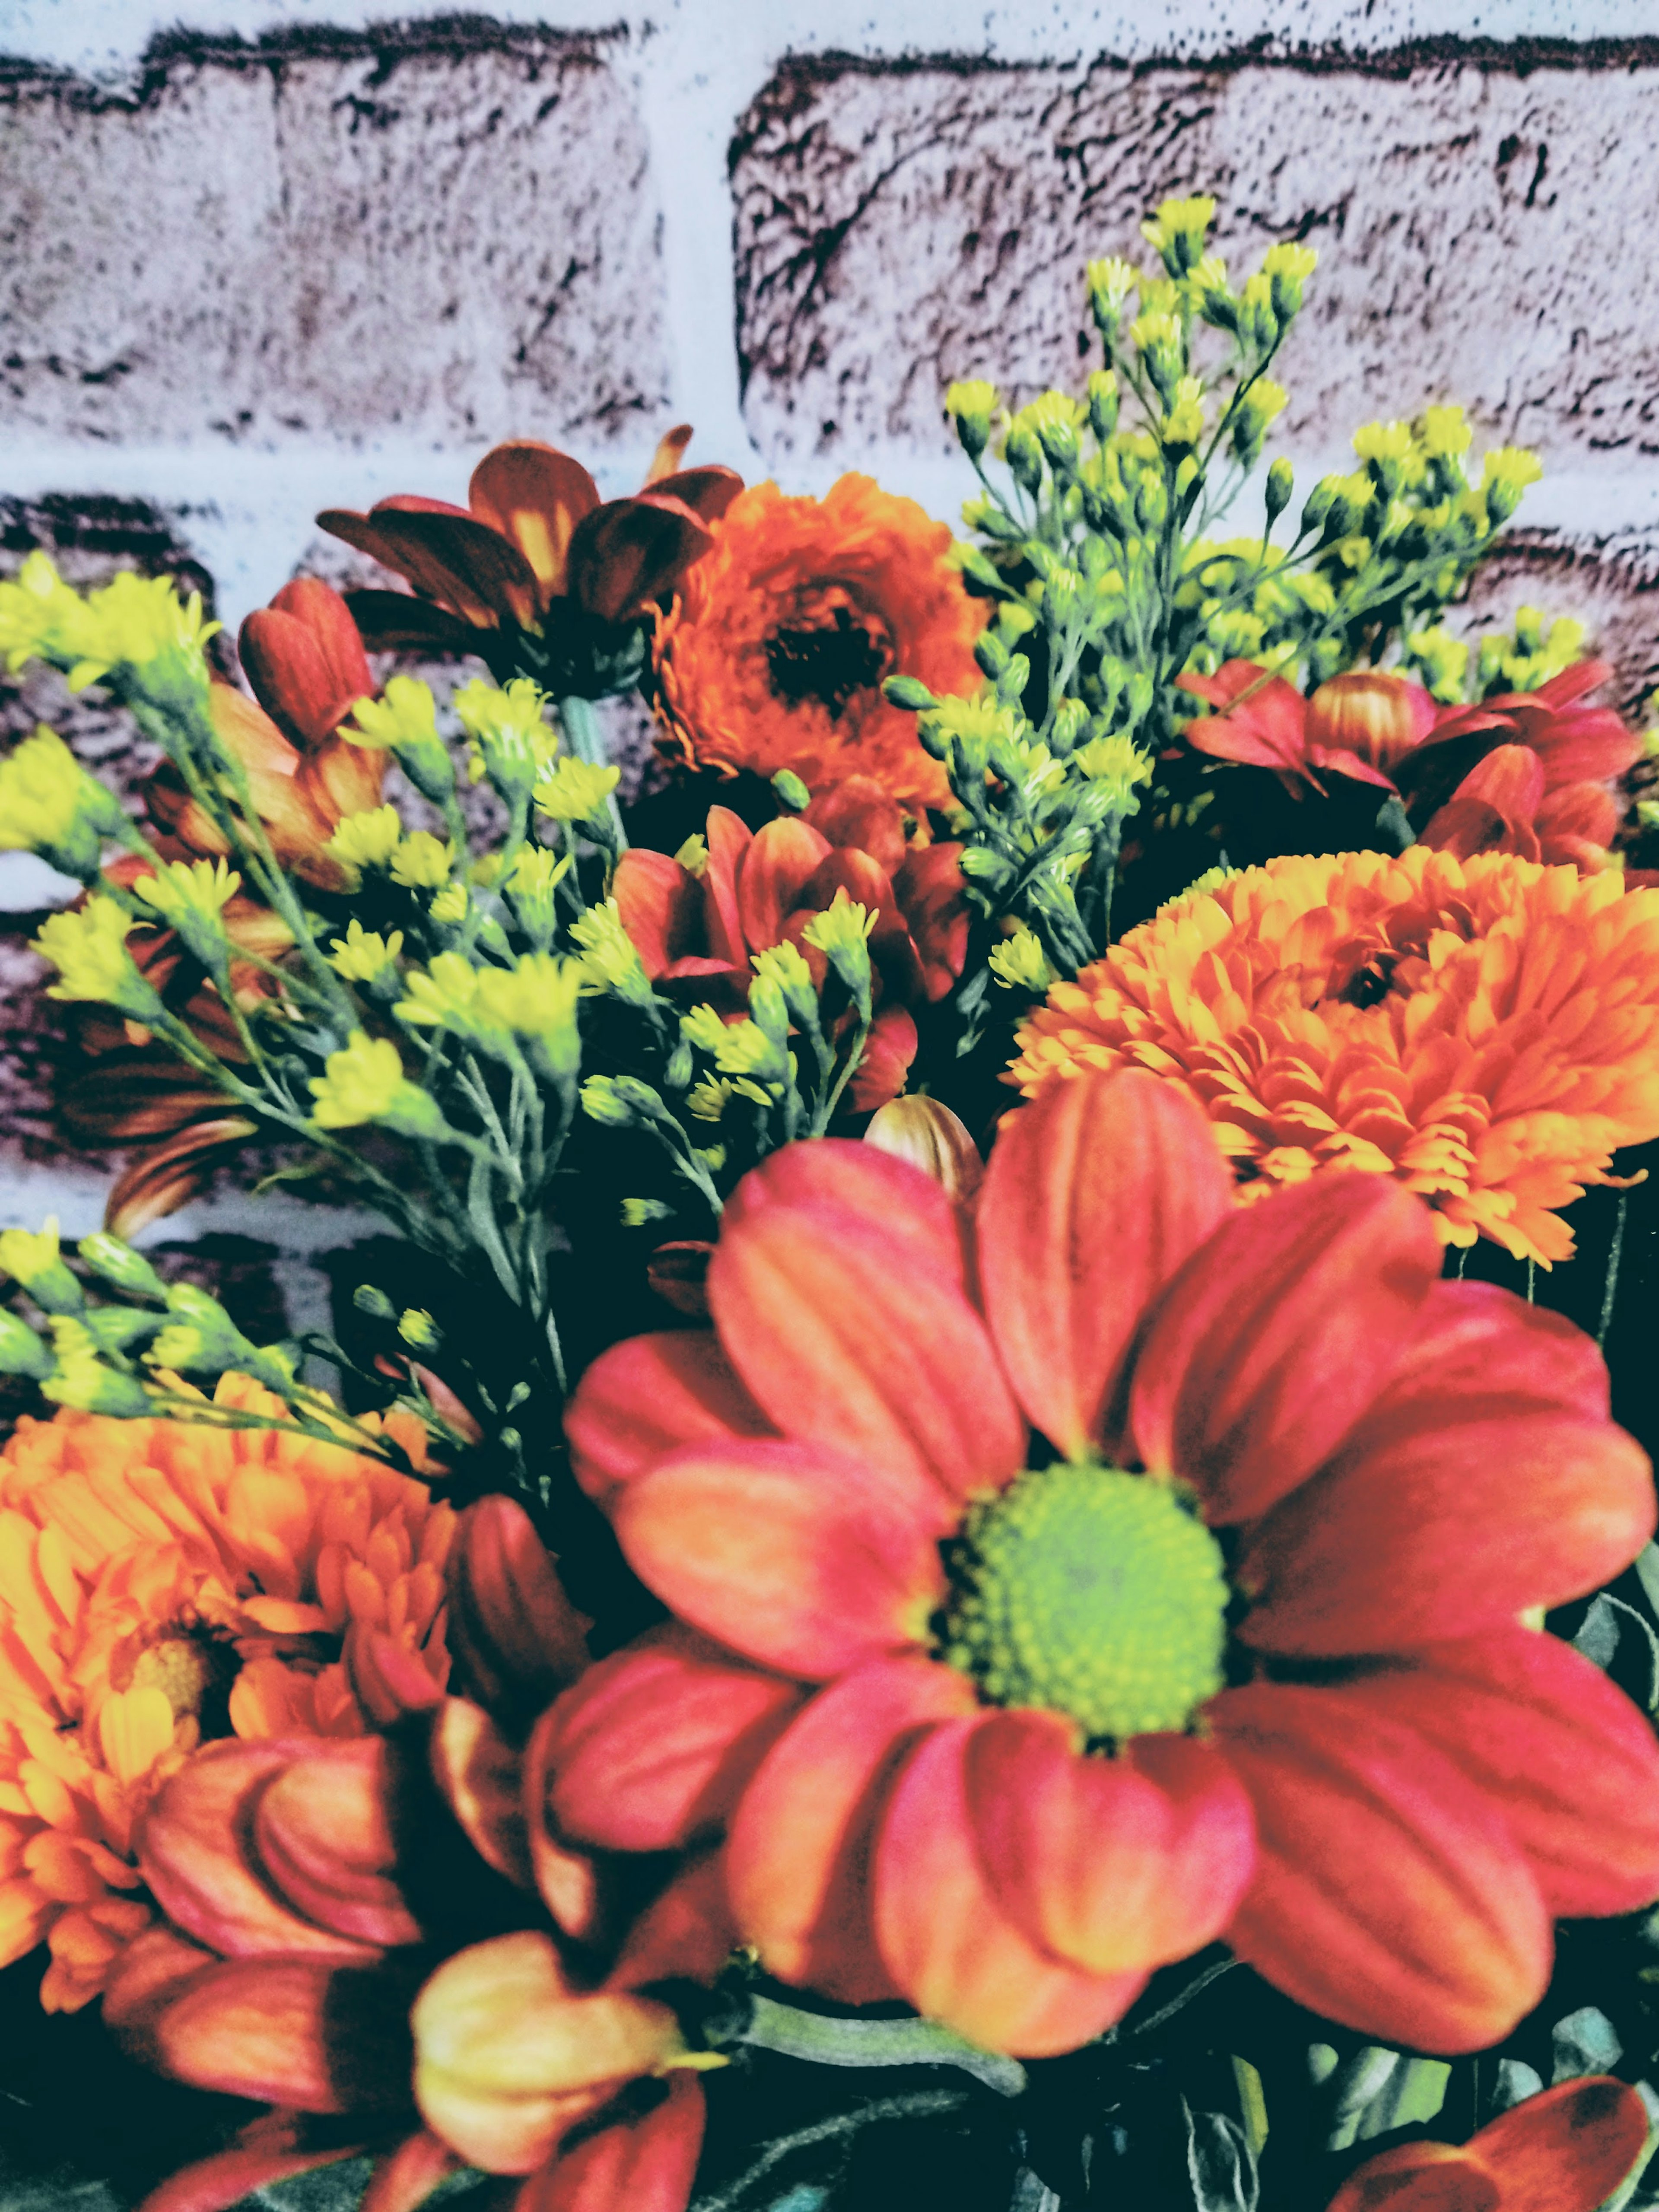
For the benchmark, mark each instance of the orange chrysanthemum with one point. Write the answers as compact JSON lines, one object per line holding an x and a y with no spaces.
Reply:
{"x":161,"y":1582}
{"x":773,"y":654}
{"x":1485,"y":1030}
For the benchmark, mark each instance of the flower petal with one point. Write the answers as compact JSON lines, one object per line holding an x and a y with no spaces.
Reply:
{"x":568,"y":1879}
{"x":1115,"y":1865}
{"x":1389,"y":1893}
{"x":511,"y":1625}
{"x":944,"y":1931}
{"x":446,"y":556}
{"x":1278,"y":1335}
{"x":631,"y":552}
{"x":407,"y":2176}
{"x":851,"y":1179}
{"x":1567,"y":2150}
{"x":841,"y":1337}
{"x":798,"y":1854}
{"x":653,"y":1745}
{"x":196,"y":1848}
{"x":1561,"y":1748}
{"x":1420,"y":2177}
{"x":1096,"y":1195}
{"x":646,"y":2164}
{"x":801,"y":1557}
{"x":660,"y":904}
{"x":1429,"y":1526}
{"x":479,"y":1773}
{"x":780,"y":860}
{"x":686,"y":1933}
{"x":1482,"y":1350}
{"x":648,"y":1397}
{"x":324,"y":1832}
{"x":294,"y":2031}
{"x":396,"y":622}
{"x":535,"y":496}
{"x":708,"y":490}
{"x":227,"y":2177}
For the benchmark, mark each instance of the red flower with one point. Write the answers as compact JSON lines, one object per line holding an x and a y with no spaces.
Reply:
{"x":533,"y":553}
{"x":1021,"y":1783}
{"x":304,"y":658}
{"x":299,"y":1878}
{"x":1567,"y":2150}
{"x":697,"y":928}
{"x":1529,"y":773}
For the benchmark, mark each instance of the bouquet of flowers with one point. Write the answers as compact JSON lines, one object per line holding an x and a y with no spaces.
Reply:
{"x":968,"y":1546}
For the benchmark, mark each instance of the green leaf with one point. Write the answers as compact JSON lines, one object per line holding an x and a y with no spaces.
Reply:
{"x":1600,"y":1631}
{"x":1377,"y":2090}
{"x":1585,"y":2042}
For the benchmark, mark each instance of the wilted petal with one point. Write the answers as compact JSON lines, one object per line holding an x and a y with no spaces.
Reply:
{"x":798,"y":1857}
{"x":1095,"y":1196}
{"x":1389,"y":1893}
{"x":945,"y":1935}
{"x":653,"y":1745}
{"x":1114,"y":1864}
{"x":1278,"y":1335}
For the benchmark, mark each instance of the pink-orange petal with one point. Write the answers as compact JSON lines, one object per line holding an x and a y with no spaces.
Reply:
{"x":227,"y":2177}
{"x":798,"y":1556}
{"x":1389,"y":1894}
{"x":1278,"y":1335}
{"x":323,"y":1829}
{"x":1115,"y":1865}
{"x":196,"y":1848}
{"x":480,"y":1775}
{"x":944,"y":1931}
{"x":1480,"y":1347}
{"x":1096,"y":1195}
{"x":1567,"y":2150}
{"x":1562,"y":1749}
{"x":777,"y":864}
{"x":652,"y":1747}
{"x":1420,"y":2177}
{"x":644,"y":2164}
{"x":1427,"y":1527}
{"x":292,"y":2032}
{"x":798,"y":1857}
{"x":650,"y":1396}
{"x":848,"y":1181}
{"x":837,"y":1338}
{"x":405,"y":2176}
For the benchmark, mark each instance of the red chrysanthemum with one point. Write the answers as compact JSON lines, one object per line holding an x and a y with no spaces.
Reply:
{"x":1236,"y":1654}
{"x":1531,"y":773}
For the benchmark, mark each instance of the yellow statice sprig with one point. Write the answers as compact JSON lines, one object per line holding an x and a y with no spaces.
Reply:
{"x":365,"y":1082}
{"x":50,"y":806}
{"x":88,"y":947}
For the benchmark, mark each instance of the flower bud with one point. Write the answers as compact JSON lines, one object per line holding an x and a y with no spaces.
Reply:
{"x":32,"y":1258}
{"x":792,"y":795}
{"x":1281,"y":482}
{"x":509,"y":2055}
{"x":513,"y":1631}
{"x":931,"y":1138}
{"x":1371,"y":713}
{"x":21,"y":1352}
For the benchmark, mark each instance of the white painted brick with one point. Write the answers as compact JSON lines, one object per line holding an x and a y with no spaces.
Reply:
{"x":448,"y":238}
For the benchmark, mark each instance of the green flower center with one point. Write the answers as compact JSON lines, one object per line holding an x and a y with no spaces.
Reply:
{"x":1093,"y":1593}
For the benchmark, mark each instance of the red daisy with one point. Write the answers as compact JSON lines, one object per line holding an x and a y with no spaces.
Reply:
{"x":1235,"y":1652}
{"x":1531,"y":772}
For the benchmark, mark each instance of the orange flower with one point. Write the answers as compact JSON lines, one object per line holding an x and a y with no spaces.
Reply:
{"x":773,"y":654}
{"x":1485,"y":1030}
{"x":161,"y":1582}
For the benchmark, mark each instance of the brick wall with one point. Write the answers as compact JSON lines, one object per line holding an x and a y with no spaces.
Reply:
{"x":286,"y":257}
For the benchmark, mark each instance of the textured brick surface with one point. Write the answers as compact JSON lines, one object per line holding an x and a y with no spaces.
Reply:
{"x":324,"y":238}
{"x":900,"y":224}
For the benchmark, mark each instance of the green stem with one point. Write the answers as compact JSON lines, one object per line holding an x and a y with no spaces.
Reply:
{"x":830,"y":2042}
{"x":585,"y":739}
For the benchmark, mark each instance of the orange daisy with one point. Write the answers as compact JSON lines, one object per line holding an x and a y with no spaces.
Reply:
{"x":773,"y":654}
{"x":161,"y":1583}
{"x":1485,"y":1030}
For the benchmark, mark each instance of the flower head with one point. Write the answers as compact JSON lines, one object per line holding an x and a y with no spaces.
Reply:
{"x":576,"y":790}
{"x":537,"y":562}
{"x":1484,"y":1031}
{"x":365,"y":1082}
{"x":49,"y":805}
{"x":1231,"y":1652}
{"x":774,"y":652}
{"x":1530,"y":773}
{"x":362,"y":955}
{"x":86,"y":944}
{"x":162,"y":1583}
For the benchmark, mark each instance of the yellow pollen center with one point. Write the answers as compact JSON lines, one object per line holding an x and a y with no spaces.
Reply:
{"x":180,"y":1668}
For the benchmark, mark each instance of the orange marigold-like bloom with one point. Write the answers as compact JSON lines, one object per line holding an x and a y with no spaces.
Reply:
{"x":161,"y":1582}
{"x":1485,"y":1030}
{"x":773,"y":654}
